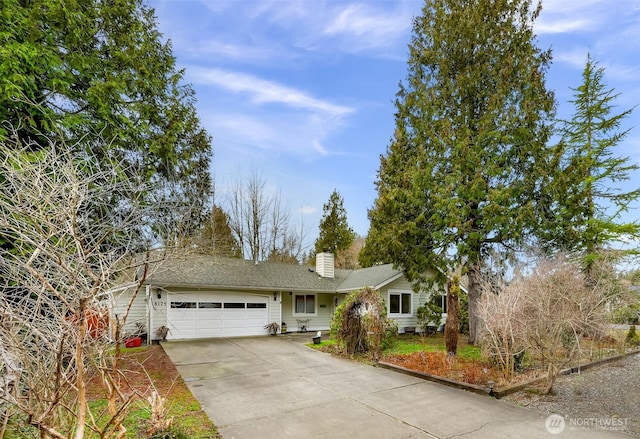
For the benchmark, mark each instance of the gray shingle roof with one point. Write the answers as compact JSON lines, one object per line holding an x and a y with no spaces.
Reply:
{"x":213,"y":271}
{"x":369,"y":277}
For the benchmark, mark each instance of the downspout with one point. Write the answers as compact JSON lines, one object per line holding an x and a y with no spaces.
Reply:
{"x":149,"y":313}
{"x":280,"y":312}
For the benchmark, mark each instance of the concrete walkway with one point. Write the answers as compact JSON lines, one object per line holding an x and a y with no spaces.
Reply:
{"x":275,"y":387}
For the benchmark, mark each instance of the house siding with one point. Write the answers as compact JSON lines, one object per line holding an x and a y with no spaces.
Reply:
{"x":325,"y":308}
{"x":418,"y":299}
{"x":137,"y":313}
{"x":158,"y":315}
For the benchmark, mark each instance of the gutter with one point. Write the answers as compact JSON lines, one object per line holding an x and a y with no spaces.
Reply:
{"x":244,"y":288}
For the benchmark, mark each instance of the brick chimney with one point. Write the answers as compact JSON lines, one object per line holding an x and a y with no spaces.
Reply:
{"x":325,"y":265}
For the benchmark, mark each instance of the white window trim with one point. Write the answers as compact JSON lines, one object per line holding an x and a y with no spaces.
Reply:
{"x":399,"y":292}
{"x":315,"y":305}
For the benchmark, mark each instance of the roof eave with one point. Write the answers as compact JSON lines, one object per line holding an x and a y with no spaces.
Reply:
{"x":376,"y":287}
{"x":244,"y":288}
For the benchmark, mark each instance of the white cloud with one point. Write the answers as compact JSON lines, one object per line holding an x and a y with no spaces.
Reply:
{"x":248,"y":130}
{"x":262,"y":91}
{"x":564,"y":16}
{"x":327,"y":26}
{"x":307,"y":210}
{"x":263,"y":134}
{"x":246,"y":53}
{"x":371,"y":26}
{"x":551,"y":26}
{"x":576,"y":57}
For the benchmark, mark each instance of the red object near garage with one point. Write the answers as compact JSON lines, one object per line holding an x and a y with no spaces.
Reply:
{"x":132,"y":342}
{"x":97,"y":323}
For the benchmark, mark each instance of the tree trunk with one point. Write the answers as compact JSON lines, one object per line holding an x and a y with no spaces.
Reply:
{"x":451,"y":326}
{"x":552,"y":374}
{"x":475,"y":323}
{"x":80,"y":377}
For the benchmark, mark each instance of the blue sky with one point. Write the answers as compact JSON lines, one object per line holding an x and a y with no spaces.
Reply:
{"x":303,"y":91}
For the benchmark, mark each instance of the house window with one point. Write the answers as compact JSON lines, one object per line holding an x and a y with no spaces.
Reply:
{"x":209,"y":305}
{"x":234,"y":305}
{"x":251,"y":305}
{"x":184,"y":305}
{"x":304,"y":304}
{"x":400,"y":303}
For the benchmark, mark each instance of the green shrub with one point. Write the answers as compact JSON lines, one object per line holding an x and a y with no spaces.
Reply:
{"x":429,"y":314}
{"x":390,"y":336}
{"x":632,"y":339}
{"x":360,"y":324}
{"x":628,"y":314}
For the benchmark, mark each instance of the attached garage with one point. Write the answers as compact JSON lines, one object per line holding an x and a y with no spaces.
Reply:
{"x":211,"y":314}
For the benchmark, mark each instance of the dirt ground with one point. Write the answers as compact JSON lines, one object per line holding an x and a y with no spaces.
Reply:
{"x":440,"y":364}
{"x":142,"y":370}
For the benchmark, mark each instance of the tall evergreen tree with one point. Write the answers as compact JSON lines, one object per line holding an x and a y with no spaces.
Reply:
{"x":217,"y":237}
{"x":93,"y":69}
{"x":335,"y":234}
{"x":586,"y":214}
{"x":472,"y":123}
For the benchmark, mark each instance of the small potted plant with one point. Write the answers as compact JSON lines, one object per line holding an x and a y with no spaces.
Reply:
{"x":162,"y":331}
{"x":272,"y":327}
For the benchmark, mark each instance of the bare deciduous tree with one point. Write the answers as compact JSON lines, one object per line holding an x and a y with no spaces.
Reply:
{"x":547,"y":310}
{"x":502,"y":312}
{"x":261,"y":222}
{"x":70,"y":243}
{"x":348,"y":258}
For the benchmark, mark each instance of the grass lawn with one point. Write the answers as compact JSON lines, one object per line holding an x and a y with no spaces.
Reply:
{"x":408,"y":344}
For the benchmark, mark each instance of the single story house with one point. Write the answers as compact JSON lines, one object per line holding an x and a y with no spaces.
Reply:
{"x":210,"y":296}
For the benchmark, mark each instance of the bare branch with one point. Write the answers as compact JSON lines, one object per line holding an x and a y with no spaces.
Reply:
{"x":76,"y":225}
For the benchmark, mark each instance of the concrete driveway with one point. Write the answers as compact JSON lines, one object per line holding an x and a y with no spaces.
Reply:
{"x":275,"y":387}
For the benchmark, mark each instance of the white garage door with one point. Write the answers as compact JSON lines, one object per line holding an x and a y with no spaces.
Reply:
{"x":202,"y":315}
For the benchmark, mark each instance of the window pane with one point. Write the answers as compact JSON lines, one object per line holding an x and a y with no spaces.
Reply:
{"x":300,"y":305}
{"x":234,"y":305}
{"x":444,"y":304}
{"x":406,"y":304}
{"x":311,"y":304}
{"x":183,"y":305}
{"x":210,"y":305}
{"x":256,"y":305}
{"x":394,"y":303}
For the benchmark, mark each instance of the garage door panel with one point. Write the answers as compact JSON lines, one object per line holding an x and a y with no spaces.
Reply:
{"x":234,"y":323}
{"x":213,"y":324}
{"x":184,"y":314}
{"x":255,"y":322}
{"x":185,"y":324}
{"x":200,"y":315}
{"x":234,"y":332}
{"x":210,"y":315}
{"x":210,"y":332}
